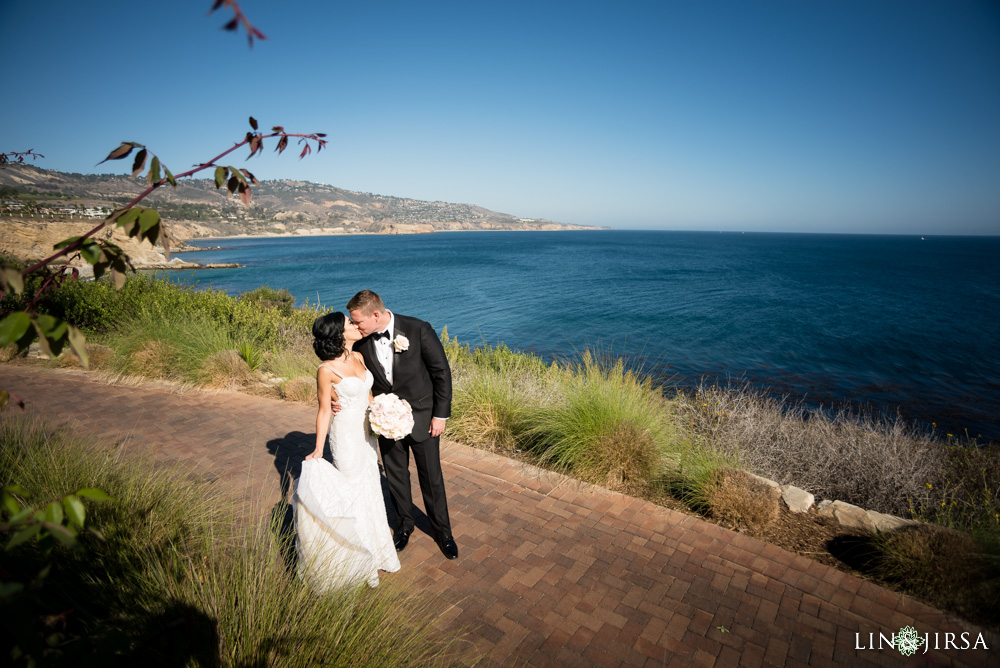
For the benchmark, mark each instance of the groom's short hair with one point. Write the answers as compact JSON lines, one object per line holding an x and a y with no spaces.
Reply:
{"x":365,"y":301}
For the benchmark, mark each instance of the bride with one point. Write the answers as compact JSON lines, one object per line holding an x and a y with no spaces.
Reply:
{"x":343,"y":534}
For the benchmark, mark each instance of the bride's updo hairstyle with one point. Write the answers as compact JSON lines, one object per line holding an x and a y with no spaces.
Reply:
{"x":328,"y":336}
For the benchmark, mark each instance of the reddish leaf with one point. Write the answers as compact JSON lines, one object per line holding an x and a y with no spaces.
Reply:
{"x":5,"y":396}
{"x":232,"y":25}
{"x":278,"y":128}
{"x":244,"y":193}
{"x":233,"y":184}
{"x":118,"y":153}
{"x":282,"y":144}
{"x":320,"y":134}
{"x":253,"y":122}
{"x":139,"y":164}
{"x":249,"y":175}
{"x":305,"y":151}
{"x":218,"y":3}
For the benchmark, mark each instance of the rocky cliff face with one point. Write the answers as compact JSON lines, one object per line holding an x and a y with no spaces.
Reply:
{"x":197,"y":209}
{"x":34,"y":240}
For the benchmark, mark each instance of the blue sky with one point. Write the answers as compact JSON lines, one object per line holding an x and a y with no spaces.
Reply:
{"x":818,"y":116}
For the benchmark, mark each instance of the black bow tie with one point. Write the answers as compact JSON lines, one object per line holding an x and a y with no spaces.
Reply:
{"x":380,"y":335}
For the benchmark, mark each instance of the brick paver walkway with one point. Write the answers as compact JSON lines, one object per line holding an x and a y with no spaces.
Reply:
{"x":552,"y":572}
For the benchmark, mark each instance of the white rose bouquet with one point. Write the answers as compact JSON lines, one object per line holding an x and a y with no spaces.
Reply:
{"x":390,"y":416}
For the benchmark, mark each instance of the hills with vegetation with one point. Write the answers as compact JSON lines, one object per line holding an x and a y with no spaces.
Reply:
{"x":197,"y":209}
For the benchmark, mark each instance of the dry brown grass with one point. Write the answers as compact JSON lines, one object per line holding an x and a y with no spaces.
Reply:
{"x":870,"y":462}
{"x":625,"y":459}
{"x":8,"y":352}
{"x":737,"y":499}
{"x":490,"y":410}
{"x":226,"y":370}
{"x":155,"y":359}
{"x":947,"y":568}
{"x":98,"y":357}
{"x":302,"y":388}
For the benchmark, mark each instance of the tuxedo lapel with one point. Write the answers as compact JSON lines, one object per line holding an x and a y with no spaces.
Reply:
{"x":396,"y":332}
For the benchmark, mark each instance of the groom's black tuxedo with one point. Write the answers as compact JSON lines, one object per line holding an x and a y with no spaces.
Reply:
{"x":421,"y":376}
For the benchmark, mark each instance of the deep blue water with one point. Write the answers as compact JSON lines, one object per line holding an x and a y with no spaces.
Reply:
{"x":894,"y":323}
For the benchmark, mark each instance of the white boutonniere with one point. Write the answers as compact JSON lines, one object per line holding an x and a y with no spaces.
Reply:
{"x":400,"y":343}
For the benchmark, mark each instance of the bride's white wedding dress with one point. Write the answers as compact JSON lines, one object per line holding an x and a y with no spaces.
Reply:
{"x":343,"y":535}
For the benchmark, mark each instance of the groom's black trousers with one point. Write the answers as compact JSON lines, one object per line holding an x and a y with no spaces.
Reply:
{"x":427,"y":456}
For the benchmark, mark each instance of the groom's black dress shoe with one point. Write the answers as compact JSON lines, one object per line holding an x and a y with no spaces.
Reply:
{"x":448,"y":547}
{"x":401,"y":539}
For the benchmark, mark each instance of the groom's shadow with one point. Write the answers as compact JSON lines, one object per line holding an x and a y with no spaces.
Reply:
{"x":289,"y":452}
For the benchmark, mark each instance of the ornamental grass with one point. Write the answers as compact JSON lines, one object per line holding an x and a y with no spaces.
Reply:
{"x":606,"y":426}
{"x":184,"y":575}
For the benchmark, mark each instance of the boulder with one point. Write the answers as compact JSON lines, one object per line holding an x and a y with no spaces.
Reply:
{"x":885,"y":522}
{"x":849,"y":515}
{"x":766,"y":481}
{"x":797,"y":500}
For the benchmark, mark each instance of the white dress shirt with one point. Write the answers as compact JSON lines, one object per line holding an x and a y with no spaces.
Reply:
{"x":383,"y":349}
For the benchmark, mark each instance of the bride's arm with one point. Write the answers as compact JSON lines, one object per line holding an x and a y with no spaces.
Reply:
{"x":324,"y":394}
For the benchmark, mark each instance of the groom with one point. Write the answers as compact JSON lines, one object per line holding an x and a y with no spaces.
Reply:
{"x":406,"y":358}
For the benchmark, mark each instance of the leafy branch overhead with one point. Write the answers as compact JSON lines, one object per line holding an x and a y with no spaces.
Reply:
{"x":23,"y":327}
{"x":18,"y":156}
{"x":239,"y":18}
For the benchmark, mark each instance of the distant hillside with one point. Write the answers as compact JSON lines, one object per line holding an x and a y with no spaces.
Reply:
{"x":197,"y":209}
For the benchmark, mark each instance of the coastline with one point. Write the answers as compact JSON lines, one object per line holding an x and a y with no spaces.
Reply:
{"x":295,"y":235}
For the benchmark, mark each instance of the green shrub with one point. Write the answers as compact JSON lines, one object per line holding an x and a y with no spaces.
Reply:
{"x":269,"y":298}
{"x":608,"y":426}
{"x":95,"y":306}
{"x":250,"y":353}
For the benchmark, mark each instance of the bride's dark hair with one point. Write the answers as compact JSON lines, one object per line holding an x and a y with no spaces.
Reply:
{"x":328,"y":335}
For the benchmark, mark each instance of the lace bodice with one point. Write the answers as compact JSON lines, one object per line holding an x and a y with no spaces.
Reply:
{"x":352,"y":392}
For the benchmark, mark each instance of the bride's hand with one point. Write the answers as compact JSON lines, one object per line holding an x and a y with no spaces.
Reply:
{"x":316,"y":454}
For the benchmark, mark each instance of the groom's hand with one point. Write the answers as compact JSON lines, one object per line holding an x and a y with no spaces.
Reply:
{"x":335,"y":405}
{"x":437,"y":427}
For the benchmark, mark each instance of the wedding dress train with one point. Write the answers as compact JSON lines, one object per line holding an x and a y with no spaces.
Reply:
{"x":343,"y":535}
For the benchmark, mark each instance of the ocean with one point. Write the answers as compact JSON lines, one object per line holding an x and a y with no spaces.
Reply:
{"x":895,"y":324}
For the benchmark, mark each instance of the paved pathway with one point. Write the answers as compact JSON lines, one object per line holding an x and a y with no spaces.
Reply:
{"x":552,"y":572}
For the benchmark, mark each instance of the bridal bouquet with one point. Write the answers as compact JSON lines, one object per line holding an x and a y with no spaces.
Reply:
{"x":390,"y":416}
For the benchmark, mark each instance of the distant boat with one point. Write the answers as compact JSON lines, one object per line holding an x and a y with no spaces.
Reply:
{"x":922,"y":239}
